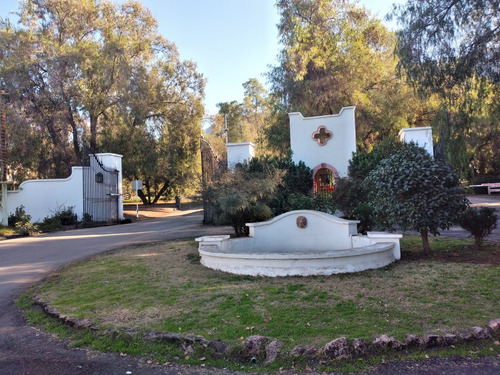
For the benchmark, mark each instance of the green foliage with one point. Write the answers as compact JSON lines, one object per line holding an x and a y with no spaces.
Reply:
{"x":449,"y":51}
{"x":62,"y":217}
{"x":245,"y":120}
{"x":25,"y":228}
{"x":99,"y":72}
{"x":413,"y":191}
{"x":480,"y":222}
{"x":362,"y":163}
{"x":243,"y":197}
{"x":19,"y":217}
{"x":66,"y":216}
{"x":364,"y":213}
{"x":294,"y":191}
{"x":262,"y":189}
{"x":446,"y":41}
{"x":350,"y":194}
{"x":336,"y":54}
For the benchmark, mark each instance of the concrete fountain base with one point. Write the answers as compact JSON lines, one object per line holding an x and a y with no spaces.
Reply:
{"x":301,"y":243}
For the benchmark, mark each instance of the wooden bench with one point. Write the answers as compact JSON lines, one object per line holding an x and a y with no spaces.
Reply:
{"x":492,"y":187}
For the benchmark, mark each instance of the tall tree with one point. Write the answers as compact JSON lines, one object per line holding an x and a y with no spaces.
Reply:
{"x":444,"y":42}
{"x":336,"y":54}
{"x":450,"y":49}
{"x":246,"y":120}
{"x":101,"y":71}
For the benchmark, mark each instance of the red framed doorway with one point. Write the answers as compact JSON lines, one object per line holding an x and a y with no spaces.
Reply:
{"x":325,"y":177}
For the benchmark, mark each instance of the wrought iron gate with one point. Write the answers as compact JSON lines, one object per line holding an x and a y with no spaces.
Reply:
{"x":212,"y":167}
{"x":100,"y":190}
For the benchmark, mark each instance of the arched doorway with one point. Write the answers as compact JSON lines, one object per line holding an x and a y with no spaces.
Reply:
{"x":325,"y":179}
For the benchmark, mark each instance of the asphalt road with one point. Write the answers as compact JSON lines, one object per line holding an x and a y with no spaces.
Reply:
{"x":23,"y":261}
{"x":28,"y":351}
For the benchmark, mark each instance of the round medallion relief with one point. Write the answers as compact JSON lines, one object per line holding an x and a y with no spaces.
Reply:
{"x":302,"y":222}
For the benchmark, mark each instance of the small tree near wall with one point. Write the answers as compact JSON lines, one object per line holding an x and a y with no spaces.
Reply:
{"x":413,"y":191}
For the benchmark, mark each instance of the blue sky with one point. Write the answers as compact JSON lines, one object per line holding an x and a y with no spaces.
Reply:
{"x":230,"y":40}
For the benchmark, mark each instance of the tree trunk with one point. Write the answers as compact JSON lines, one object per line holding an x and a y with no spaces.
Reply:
{"x":74,"y":129}
{"x":160,"y":192}
{"x":143,"y":197}
{"x":477,"y":243}
{"x":93,"y":133}
{"x":425,"y":241}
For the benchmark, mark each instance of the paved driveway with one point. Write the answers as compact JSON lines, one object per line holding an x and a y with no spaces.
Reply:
{"x":25,"y":260}
{"x":25,"y":350}
{"x":492,"y":201}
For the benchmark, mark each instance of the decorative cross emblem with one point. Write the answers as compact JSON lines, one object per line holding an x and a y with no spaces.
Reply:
{"x":322,"y":135}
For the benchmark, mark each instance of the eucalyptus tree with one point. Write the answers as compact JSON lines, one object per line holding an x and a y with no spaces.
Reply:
{"x":246,"y":120}
{"x":450,"y":49}
{"x":101,"y":71}
{"x":336,"y":54}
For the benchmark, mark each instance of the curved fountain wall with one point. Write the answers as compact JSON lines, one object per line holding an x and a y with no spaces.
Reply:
{"x":302,"y":243}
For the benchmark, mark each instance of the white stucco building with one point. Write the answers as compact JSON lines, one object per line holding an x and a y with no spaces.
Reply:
{"x":325,"y":144}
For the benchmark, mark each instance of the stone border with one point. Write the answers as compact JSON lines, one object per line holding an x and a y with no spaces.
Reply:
{"x":263,"y":349}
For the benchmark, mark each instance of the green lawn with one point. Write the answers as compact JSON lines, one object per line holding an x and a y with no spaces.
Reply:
{"x":163,"y":287}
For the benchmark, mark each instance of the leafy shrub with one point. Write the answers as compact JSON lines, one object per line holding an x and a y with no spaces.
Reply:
{"x":66,"y":216}
{"x":49,"y":224}
{"x":87,"y":218}
{"x":413,"y":191}
{"x":362,"y":163}
{"x":348,"y":194}
{"x":479,"y":222}
{"x":25,"y":228}
{"x":243,"y":196}
{"x":20,"y":216}
{"x":61,"y":218}
{"x":298,"y":201}
{"x":324,"y":203}
{"x":262,"y":189}
{"x":294,"y":190}
{"x":364,"y":213}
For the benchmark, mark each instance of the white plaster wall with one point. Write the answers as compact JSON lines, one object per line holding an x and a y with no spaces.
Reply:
{"x":239,"y":153}
{"x":420,"y":136}
{"x":337,"y":151}
{"x":42,"y":198}
{"x":323,"y":232}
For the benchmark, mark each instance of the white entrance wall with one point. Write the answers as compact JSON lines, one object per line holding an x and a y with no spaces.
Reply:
{"x":327,"y":139}
{"x":421,"y":136}
{"x":42,"y":198}
{"x":239,"y":153}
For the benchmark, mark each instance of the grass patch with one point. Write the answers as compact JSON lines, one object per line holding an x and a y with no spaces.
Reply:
{"x":163,"y":287}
